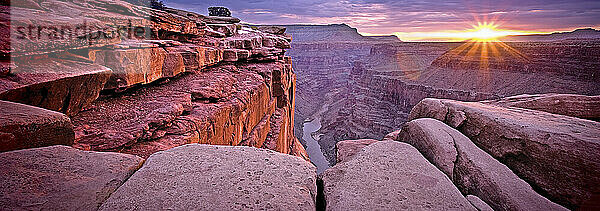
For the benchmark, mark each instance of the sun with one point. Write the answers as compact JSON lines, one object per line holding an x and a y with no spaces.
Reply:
{"x":485,"y":32}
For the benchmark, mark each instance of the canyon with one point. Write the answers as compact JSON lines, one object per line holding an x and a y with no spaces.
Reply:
{"x":127,"y":105}
{"x":369,"y":86}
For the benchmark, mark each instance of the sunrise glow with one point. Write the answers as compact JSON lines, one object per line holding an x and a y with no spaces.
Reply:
{"x":481,"y":31}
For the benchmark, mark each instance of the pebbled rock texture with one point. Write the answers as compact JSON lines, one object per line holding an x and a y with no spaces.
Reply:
{"x":61,"y":178}
{"x":218,"y":178}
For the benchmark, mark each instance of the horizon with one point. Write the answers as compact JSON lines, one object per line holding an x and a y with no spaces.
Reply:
{"x":413,"y":20}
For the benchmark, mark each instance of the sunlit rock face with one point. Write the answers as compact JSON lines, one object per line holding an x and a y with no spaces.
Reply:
{"x":365,"y":89}
{"x":138,"y":79}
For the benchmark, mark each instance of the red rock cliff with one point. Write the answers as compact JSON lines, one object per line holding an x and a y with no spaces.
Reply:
{"x":139,"y":80}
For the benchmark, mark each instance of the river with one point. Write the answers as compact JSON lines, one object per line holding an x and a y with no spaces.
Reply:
{"x":312,"y":146}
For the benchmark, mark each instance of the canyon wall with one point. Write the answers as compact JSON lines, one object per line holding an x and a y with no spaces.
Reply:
{"x":139,"y":80}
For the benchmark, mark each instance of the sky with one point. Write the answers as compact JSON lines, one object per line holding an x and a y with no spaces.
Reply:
{"x":413,"y":19}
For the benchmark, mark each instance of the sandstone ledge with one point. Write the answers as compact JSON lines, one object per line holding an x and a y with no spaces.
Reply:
{"x":24,"y":126}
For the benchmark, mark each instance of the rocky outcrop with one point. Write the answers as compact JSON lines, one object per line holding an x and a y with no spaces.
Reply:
{"x":24,"y":126}
{"x":551,"y":152}
{"x":390,"y":175}
{"x":61,"y":178}
{"x":472,"y":170}
{"x":218,"y":177}
{"x":346,"y":150}
{"x":581,"y":106}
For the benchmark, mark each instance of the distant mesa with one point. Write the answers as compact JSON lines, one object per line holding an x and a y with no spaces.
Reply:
{"x":578,"y":34}
{"x":332,"y":33}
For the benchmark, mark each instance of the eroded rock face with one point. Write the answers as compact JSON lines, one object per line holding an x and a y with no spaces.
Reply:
{"x":472,"y":170}
{"x":551,"y":152}
{"x":61,"y":178}
{"x":24,"y":126}
{"x":346,"y":150}
{"x":390,"y":175}
{"x":581,"y":106}
{"x":218,"y":177}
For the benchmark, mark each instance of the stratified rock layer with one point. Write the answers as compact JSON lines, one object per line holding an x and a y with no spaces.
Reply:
{"x":472,"y":170}
{"x":203,"y":177}
{"x":551,"y":152}
{"x":390,"y":175}
{"x":24,"y":126}
{"x":61,"y":178}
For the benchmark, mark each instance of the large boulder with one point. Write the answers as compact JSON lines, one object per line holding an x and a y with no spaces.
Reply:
{"x":472,"y":170}
{"x":61,"y":178}
{"x":551,"y":152}
{"x":24,"y":126}
{"x":585,"y":107}
{"x":347,"y":149}
{"x":205,"y":177}
{"x":390,"y":175}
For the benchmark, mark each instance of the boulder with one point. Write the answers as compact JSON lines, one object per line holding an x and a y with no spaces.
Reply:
{"x":205,"y":177}
{"x":60,"y":85}
{"x":472,"y":170}
{"x":390,"y":175}
{"x":61,"y":178}
{"x":24,"y":126}
{"x":347,"y":149}
{"x":581,"y":106}
{"x":551,"y":152}
{"x":278,"y":30}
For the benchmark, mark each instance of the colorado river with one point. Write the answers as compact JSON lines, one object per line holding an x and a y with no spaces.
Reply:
{"x":312,"y":146}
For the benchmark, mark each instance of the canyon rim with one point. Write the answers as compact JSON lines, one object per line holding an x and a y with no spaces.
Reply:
{"x":299,"y":105}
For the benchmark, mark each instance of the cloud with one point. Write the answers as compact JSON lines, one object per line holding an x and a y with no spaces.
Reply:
{"x":410,"y":16}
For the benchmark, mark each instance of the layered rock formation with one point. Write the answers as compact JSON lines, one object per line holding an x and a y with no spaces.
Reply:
{"x":168,"y":77}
